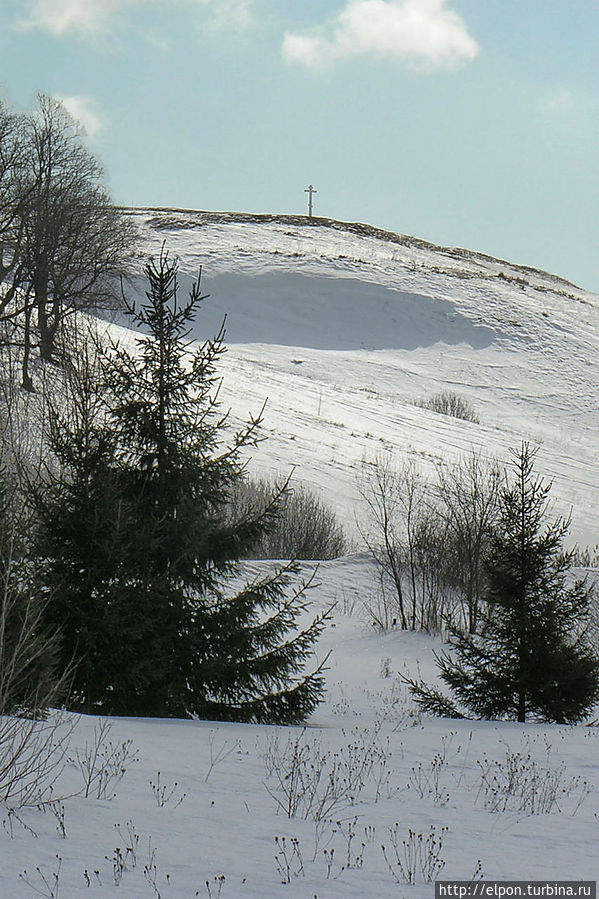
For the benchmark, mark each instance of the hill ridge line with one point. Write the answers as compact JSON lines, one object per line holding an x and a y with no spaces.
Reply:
{"x":204,"y":217}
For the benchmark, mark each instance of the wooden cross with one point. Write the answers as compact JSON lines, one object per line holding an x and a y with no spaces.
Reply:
{"x":310,"y":191}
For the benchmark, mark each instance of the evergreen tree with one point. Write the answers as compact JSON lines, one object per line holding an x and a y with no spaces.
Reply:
{"x":138,"y":544}
{"x":532,"y":659}
{"x":79,"y":543}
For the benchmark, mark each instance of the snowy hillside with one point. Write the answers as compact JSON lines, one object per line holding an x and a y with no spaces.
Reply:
{"x":343,"y":327}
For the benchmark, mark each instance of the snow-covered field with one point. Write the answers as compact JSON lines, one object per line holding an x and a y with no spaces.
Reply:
{"x":221,"y":793}
{"x":202,"y":800}
{"x":343,"y":330}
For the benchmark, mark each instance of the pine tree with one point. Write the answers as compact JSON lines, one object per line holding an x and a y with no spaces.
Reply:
{"x":138,"y":539}
{"x":532,"y":659}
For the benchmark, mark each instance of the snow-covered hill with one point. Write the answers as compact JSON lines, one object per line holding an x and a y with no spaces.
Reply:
{"x":342,"y":327}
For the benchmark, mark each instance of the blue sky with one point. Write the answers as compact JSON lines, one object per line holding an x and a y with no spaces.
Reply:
{"x":470,"y":123}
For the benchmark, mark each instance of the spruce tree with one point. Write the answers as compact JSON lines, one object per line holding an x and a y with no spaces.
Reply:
{"x":146,"y":496}
{"x":80,"y":540}
{"x":532,"y":659}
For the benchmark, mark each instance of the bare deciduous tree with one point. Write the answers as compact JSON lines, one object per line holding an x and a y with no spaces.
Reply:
{"x":468,"y":495}
{"x":63,"y":245}
{"x":13,"y":199}
{"x":76,"y":241}
{"x":434,"y":554}
{"x":430,"y":539}
{"x":379,"y":487}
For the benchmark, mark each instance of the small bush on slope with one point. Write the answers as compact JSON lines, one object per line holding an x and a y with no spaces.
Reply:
{"x":449,"y":403}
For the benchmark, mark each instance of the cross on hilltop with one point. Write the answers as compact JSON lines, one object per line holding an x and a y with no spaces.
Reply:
{"x":310,"y":191}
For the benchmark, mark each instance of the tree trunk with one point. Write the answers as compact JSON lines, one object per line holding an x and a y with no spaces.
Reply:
{"x":40,"y":288}
{"x":46,"y":341}
{"x":26,"y":381}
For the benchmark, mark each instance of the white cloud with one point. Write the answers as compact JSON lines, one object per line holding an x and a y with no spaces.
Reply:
{"x":236,"y":14}
{"x":81,"y":109}
{"x":87,"y":17}
{"x":84,"y":16}
{"x":421,"y":33}
{"x":559,"y":101}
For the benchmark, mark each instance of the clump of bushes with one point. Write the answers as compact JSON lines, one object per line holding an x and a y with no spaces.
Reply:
{"x":430,"y":540}
{"x":446,"y":402}
{"x":305,"y":528}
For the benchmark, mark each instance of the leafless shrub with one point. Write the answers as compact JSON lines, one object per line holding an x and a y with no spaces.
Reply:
{"x":349,"y":602}
{"x":130,"y":840}
{"x":12,"y":818}
{"x":117,"y":859}
{"x":468,"y":501}
{"x":166,"y":793}
{"x":382,"y":607}
{"x":214,"y":889}
{"x":288,"y":858}
{"x":416,"y":858}
{"x":22,"y":421}
{"x":33,"y":743}
{"x":593,"y":620}
{"x":102,"y":763}
{"x":309,"y":782}
{"x":381,"y":488}
{"x":349,"y":851}
{"x":218,"y":754}
{"x":427,"y":780}
{"x":433,"y":581}
{"x":353,"y":857}
{"x":446,"y":402}
{"x":33,"y":754}
{"x":385,"y":670}
{"x":429,"y":540}
{"x":519,"y":783}
{"x":45,"y":885}
{"x":56,"y":808}
{"x":304,"y":528}
{"x":409,"y":541}
{"x":151,"y":869}
{"x":28,"y":682}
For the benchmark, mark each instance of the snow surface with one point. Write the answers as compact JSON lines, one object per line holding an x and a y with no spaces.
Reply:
{"x":342,"y":328}
{"x":227,"y":822}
